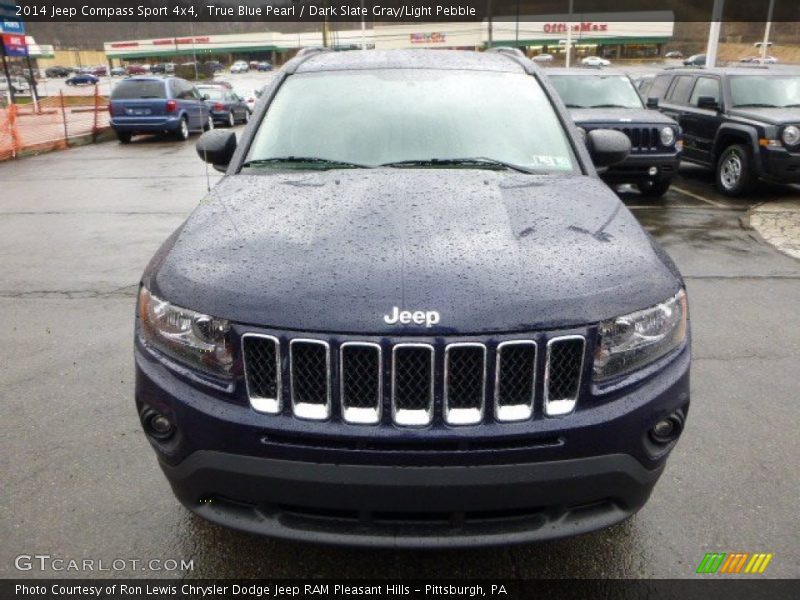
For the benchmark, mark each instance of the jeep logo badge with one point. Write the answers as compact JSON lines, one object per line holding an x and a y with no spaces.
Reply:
{"x":427,"y":317}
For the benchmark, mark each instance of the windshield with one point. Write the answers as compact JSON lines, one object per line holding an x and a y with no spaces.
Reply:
{"x":133,"y":90}
{"x":596,"y":91}
{"x":213,"y":93}
{"x":385,"y":117}
{"x":766,"y":90}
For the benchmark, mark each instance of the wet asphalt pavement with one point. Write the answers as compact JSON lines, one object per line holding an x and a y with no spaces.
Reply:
{"x":81,"y":482}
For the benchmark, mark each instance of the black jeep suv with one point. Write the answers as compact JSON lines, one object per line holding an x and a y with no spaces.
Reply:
{"x":608,"y":99}
{"x":412,"y":315}
{"x":743,"y":122}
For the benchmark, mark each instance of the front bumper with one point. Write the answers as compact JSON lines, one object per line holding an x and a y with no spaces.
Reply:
{"x":780,"y":165}
{"x":635,"y":168}
{"x":389,"y":486}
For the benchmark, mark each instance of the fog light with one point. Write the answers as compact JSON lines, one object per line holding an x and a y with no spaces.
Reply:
{"x":666,"y":430}
{"x":663,"y":428}
{"x":158,"y":425}
{"x":652,"y":171}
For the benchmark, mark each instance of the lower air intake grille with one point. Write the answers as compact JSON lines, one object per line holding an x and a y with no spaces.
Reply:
{"x":310,"y":378}
{"x":563,"y":374}
{"x":412,"y":384}
{"x":262,"y":372}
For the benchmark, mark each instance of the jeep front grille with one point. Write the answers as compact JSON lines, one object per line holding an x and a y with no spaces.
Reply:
{"x":309,"y":377}
{"x":412,"y":384}
{"x":376,"y":383}
{"x":643,"y":139}
{"x":563,"y":374}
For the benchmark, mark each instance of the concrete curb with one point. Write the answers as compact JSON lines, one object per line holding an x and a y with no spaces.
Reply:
{"x":778,"y":222}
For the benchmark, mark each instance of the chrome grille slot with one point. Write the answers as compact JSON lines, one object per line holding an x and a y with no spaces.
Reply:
{"x":360,"y":382}
{"x":412,"y":384}
{"x":515,"y":380}
{"x":309,"y":369}
{"x":262,"y":367}
{"x":563,"y":374}
{"x":464,"y":383}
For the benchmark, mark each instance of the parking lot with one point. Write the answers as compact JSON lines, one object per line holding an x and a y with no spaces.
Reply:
{"x":80,"y":480}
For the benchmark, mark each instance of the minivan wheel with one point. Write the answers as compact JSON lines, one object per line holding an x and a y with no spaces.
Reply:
{"x":209,"y":124}
{"x":124,"y":137}
{"x":735,"y":171}
{"x":183,"y":130}
{"x":654,"y":189}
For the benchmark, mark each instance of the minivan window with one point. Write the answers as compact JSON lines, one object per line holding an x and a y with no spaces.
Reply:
{"x":681,"y":88}
{"x":596,"y":91}
{"x":388,"y":116}
{"x":138,"y":90}
{"x":766,"y":90}
{"x":705,"y":86}
{"x":213,"y":93}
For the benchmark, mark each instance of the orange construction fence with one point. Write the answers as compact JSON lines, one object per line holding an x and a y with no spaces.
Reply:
{"x":51,"y":122}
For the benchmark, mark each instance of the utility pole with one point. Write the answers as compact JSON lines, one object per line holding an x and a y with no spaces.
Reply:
{"x":8,"y":75}
{"x":569,"y":35}
{"x":765,"y":43}
{"x":363,"y":28}
{"x":713,"y":33}
{"x":489,"y":17}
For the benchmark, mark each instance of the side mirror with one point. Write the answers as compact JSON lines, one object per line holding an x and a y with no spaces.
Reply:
{"x":707,"y":102}
{"x":206,"y":97}
{"x":652,"y":103}
{"x":216,"y":147}
{"x":607,"y":147}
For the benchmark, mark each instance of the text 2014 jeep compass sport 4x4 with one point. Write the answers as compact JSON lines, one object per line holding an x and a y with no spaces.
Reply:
{"x":412,"y":315}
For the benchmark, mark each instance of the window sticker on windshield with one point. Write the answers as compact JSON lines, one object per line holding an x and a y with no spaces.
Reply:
{"x":545,"y":161}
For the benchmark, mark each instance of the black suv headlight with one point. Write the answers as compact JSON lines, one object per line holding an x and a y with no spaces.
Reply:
{"x":636,"y":339}
{"x":667,"y":136}
{"x":197,"y":340}
{"x":791,"y":135}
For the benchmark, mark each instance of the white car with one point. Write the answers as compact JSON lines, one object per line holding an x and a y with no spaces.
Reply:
{"x":20,"y":85}
{"x":543,"y":58}
{"x":240,"y":66}
{"x":249,"y":96}
{"x":595,"y":61}
{"x":757,"y":60}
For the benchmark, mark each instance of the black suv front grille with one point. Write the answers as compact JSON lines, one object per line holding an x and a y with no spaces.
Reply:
{"x":399,"y":382}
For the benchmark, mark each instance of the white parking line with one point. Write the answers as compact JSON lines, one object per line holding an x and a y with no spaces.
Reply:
{"x":698,"y":197}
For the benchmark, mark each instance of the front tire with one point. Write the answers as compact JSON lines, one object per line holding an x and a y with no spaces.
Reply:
{"x":654,"y":189}
{"x":734,"y":173}
{"x":209,"y":124}
{"x":124,"y":137}
{"x":246,"y":117}
{"x":183,"y":130}
{"x":231,"y":119}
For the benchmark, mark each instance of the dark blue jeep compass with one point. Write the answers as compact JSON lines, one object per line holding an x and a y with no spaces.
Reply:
{"x":412,"y":315}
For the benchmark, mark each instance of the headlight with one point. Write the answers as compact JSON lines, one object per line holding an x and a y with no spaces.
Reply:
{"x":634,"y":340}
{"x":192,"y":338}
{"x":791,"y":135}
{"x":667,"y":135}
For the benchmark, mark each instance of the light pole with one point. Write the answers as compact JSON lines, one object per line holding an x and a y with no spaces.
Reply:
{"x":363,"y":28}
{"x":713,"y":32}
{"x":765,"y":43}
{"x":569,"y":34}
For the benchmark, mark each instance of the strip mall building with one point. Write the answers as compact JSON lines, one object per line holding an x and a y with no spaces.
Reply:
{"x":613,"y":35}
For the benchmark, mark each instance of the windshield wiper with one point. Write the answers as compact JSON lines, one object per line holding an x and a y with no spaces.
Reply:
{"x":609,"y":106}
{"x":322,"y":162}
{"x":575,"y":106}
{"x":446,"y":162}
{"x":755,"y":105}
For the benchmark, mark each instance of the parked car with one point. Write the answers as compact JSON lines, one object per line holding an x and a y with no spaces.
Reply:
{"x":742,"y":122}
{"x":216,"y":66}
{"x":695,"y":60}
{"x":57,"y":71}
{"x":250,"y":97}
{"x":595,"y":61}
{"x":543,"y":58}
{"x":757,"y":60}
{"x":263,"y":66}
{"x":226,"y":107}
{"x":82,"y":79}
{"x":469,"y":342}
{"x":608,"y":99}
{"x":169,"y":67}
{"x":253,"y":64}
{"x":157,"y":105}
{"x":158,"y":68}
{"x":222,"y":82}
{"x":240,"y":66}
{"x":118,"y":72}
{"x":674,"y":54}
{"x":136,"y":70}
{"x":19,"y":85}
{"x":100,"y":71}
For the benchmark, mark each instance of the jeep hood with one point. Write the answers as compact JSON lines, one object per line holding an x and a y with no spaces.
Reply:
{"x":619,"y":116}
{"x":337,"y":250}
{"x":775,"y":116}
